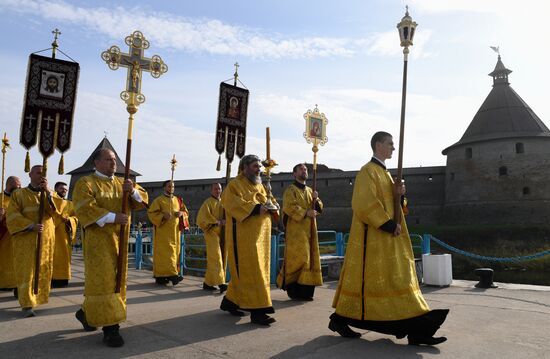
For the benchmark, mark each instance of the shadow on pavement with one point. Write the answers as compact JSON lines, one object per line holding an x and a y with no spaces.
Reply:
{"x":331,"y":346}
{"x":140,"y":339}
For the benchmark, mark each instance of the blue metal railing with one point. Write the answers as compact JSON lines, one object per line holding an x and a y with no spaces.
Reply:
{"x":184,"y":258}
{"x":141,"y":247}
{"x":339,"y":240}
{"x":277,"y":245}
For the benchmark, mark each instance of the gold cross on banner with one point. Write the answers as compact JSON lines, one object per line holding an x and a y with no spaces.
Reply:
{"x":136,"y":63}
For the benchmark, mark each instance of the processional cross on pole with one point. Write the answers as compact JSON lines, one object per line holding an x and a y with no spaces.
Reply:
{"x":136,"y":63}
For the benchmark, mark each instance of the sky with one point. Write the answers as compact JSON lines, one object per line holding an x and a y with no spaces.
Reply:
{"x":342,"y":56}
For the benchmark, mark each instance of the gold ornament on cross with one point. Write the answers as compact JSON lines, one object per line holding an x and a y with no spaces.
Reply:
{"x":136,"y":63}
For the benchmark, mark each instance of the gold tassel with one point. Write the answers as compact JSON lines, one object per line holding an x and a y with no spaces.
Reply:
{"x":28,"y":163}
{"x":61,"y":168}
{"x":219,"y":165}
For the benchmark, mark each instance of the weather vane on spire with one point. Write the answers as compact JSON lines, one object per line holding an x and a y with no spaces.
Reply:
{"x":495,"y":49}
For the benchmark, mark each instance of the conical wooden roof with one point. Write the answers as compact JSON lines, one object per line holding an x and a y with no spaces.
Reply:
{"x":88,"y":166}
{"x":503,"y":114}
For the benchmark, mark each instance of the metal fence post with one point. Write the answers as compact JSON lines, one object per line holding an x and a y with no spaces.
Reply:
{"x":138,"y":250}
{"x":182,"y":253}
{"x":339,"y":244}
{"x":426,"y":243}
{"x":274,"y":259}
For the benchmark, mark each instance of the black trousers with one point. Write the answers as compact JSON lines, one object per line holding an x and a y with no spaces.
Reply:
{"x":425,"y":325}
{"x":300,"y":291}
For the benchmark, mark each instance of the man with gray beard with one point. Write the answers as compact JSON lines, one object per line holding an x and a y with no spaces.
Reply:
{"x":247,"y":237}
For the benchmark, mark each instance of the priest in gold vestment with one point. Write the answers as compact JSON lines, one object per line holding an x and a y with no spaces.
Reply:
{"x":7,"y":271}
{"x":23,"y":223}
{"x":166,"y":218}
{"x":301,"y":270}
{"x":248,"y":237}
{"x":98,"y":205}
{"x":378,"y":289}
{"x":65,"y":236}
{"x":211,"y":222}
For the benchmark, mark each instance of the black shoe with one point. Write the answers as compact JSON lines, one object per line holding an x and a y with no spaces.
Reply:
{"x":301,"y":299}
{"x":223,"y":287}
{"x":161,"y":280}
{"x":228,"y":306}
{"x":111,"y":337}
{"x":59,"y":283}
{"x":262,"y":319}
{"x":422,"y":340}
{"x":208,"y":287}
{"x":343,"y":329}
{"x":237,"y":313}
{"x":176,"y":279}
{"x":81,"y":316}
{"x":28,"y":312}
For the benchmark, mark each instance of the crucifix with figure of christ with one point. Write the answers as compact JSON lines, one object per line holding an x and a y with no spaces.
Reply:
{"x":136,"y":63}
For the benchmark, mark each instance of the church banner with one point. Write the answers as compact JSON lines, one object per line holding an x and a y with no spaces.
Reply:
{"x":48,"y":111}
{"x":231,"y":125}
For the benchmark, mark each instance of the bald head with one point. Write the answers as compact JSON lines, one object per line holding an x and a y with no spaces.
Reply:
{"x":105,"y":161}
{"x":35,"y":175}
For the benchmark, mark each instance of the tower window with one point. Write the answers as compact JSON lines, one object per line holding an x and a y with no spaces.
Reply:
{"x":468,"y":153}
{"x":519,"y":148}
{"x":503,"y":171}
{"x":526,"y":191}
{"x":326,"y":183}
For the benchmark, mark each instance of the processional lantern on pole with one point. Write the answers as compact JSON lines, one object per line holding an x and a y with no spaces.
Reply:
{"x":316,"y":134}
{"x":231,"y":124}
{"x":407,"y":29}
{"x":47,"y":118}
{"x":136,"y":63}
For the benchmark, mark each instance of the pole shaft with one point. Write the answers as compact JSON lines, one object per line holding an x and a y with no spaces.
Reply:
{"x":122,"y":245}
{"x":397,"y":199}
{"x":41,"y":210}
{"x":313,"y":227}
{"x":3,"y":174}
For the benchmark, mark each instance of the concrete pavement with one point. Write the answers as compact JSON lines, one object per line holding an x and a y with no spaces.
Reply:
{"x":185,"y":322}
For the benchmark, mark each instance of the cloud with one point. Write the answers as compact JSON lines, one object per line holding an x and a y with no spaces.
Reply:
{"x":203,"y":35}
{"x":356,"y":114}
{"x":384,"y":44}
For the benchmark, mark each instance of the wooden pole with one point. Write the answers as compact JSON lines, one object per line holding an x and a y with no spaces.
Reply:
{"x":5,"y":145}
{"x":122,"y":243}
{"x":313,"y":228}
{"x":399,"y":179}
{"x":41,"y":209}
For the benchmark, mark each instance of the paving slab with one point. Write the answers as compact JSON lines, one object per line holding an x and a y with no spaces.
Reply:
{"x":184,"y":322}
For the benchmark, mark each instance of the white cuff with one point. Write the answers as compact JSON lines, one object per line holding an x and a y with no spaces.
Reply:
{"x":108,"y":218}
{"x":136,"y":196}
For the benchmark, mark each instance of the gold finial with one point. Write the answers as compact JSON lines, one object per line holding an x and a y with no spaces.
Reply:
{"x":5,"y":143}
{"x":174,"y":162}
{"x":56,"y":33}
{"x":236,"y":74}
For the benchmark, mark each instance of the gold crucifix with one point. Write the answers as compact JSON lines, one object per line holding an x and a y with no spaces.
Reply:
{"x":135,"y":62}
